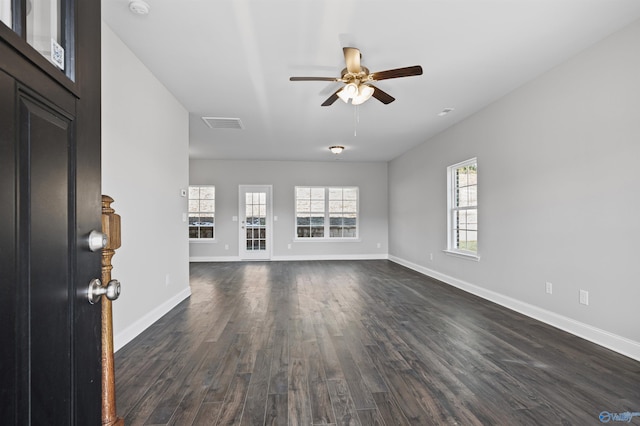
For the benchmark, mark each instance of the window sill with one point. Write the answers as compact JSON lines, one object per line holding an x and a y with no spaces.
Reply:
{"x":463,"y":255}
{"x":326,"y":240}
{"x":202,"y":240}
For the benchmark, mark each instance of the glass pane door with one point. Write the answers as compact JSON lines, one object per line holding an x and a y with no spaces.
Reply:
{"x":44,"y":29}
{"x":255,"y":226}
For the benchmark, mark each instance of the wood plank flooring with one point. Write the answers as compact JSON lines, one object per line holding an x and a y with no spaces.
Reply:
{"x":359,"y":343}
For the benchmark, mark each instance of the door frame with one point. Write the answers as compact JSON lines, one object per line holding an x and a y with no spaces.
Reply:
{"x":242,"y":252}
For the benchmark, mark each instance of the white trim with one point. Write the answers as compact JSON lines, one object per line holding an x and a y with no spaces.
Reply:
{"x":214,"y":259}
{"x":463,"y":255}
{"x":595,"y":335}
{"x":326,"y":240}
{"x":295,"y":257}
{"x":131,"y":332}
{"x":333,"y":257}
{"x":464,"y":163}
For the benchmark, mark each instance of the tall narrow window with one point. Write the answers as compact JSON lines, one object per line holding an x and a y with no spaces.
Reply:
{"x":326,"y":212}
{"x":463,"y":208}
{"x":202,"y":207}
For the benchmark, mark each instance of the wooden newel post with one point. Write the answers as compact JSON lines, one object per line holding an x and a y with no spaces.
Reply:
{"x":111,"y":228}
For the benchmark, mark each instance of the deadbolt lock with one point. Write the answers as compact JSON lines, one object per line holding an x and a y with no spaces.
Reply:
{"x":97,"y":240}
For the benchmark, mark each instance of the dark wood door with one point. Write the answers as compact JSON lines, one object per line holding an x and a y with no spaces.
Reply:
{"x":50,"y":183}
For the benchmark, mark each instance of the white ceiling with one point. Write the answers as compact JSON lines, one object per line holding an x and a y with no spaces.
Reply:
{"x":233,"y":59}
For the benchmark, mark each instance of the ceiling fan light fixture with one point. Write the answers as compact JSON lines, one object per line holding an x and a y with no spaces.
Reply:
{"x":364,"y":94}
{"x":349,"y":91}
{"x":357,"y":79}
{"x":336,"y":149}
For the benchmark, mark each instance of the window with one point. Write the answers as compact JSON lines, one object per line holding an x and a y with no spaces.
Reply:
{"x":463,"y":208}
{"x":326,"y":212}
{"x":202,"y":207}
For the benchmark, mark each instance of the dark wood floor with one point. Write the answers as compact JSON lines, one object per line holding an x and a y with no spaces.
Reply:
{"x":359,"y":342}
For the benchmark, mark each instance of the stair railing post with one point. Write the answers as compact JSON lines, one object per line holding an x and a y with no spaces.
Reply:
{"x":111,"y":228}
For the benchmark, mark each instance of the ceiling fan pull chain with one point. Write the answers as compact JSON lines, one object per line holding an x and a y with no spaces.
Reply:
{"x":356,"y":120}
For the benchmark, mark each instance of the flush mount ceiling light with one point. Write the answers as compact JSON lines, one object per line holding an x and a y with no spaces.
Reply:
{"x":139,"y":7}
{"x":336,"y":149}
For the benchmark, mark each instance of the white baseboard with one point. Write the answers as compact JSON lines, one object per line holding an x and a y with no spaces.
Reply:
{"x":601,"y":337}
{"x":214,"y":259}
{"x":143,"y":323}
{"x":333,"y":257}
{"x":295,"y":257}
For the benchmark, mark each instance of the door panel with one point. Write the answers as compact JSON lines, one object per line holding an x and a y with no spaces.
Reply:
{"x":45,"y":352}
{"x":255,"y":222}
{"x":50,"y":186}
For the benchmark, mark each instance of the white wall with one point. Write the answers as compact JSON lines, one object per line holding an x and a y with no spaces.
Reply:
{"x":558,"y":197}
{"x":371,"y":178}
{"x":145,"y":138}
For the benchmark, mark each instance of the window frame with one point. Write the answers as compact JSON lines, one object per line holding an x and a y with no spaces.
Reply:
{"x":326,"y":215}
{"x":453,"y":207}
{"x":189,"y":213}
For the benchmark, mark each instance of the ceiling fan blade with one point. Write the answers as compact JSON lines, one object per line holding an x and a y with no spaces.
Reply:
{"x":331,"y":99}
{"x":352,"y":59}
{"x":313,"y":79}
{"x":382,"y":96}
{"x":395,"y":73}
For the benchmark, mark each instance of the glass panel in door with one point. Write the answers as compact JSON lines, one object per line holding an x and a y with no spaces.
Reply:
{"x":6,"y":13}
{"x":255,"y":229}
{"x":44,"y":29}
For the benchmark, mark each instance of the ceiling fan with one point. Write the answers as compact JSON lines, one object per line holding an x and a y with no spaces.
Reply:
{"x":358,"y":79}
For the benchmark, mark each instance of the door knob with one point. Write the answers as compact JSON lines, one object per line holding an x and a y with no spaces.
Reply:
{"x":96,"y":289}
{"x":97,"y":240}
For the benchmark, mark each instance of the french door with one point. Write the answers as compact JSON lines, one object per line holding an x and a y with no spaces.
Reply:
{"x":255,"y":222}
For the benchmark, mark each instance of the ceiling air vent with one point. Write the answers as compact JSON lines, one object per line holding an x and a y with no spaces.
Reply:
{"x":223,"y":123}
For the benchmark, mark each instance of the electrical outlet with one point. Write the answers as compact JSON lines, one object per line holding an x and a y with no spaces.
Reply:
{"x":430,"y":256}
{"x":584,"y":297}
{"x":289,"y":246}
{"x":379,"y":245}
{"x":226,"y":246}
{"x":549,"y":288}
